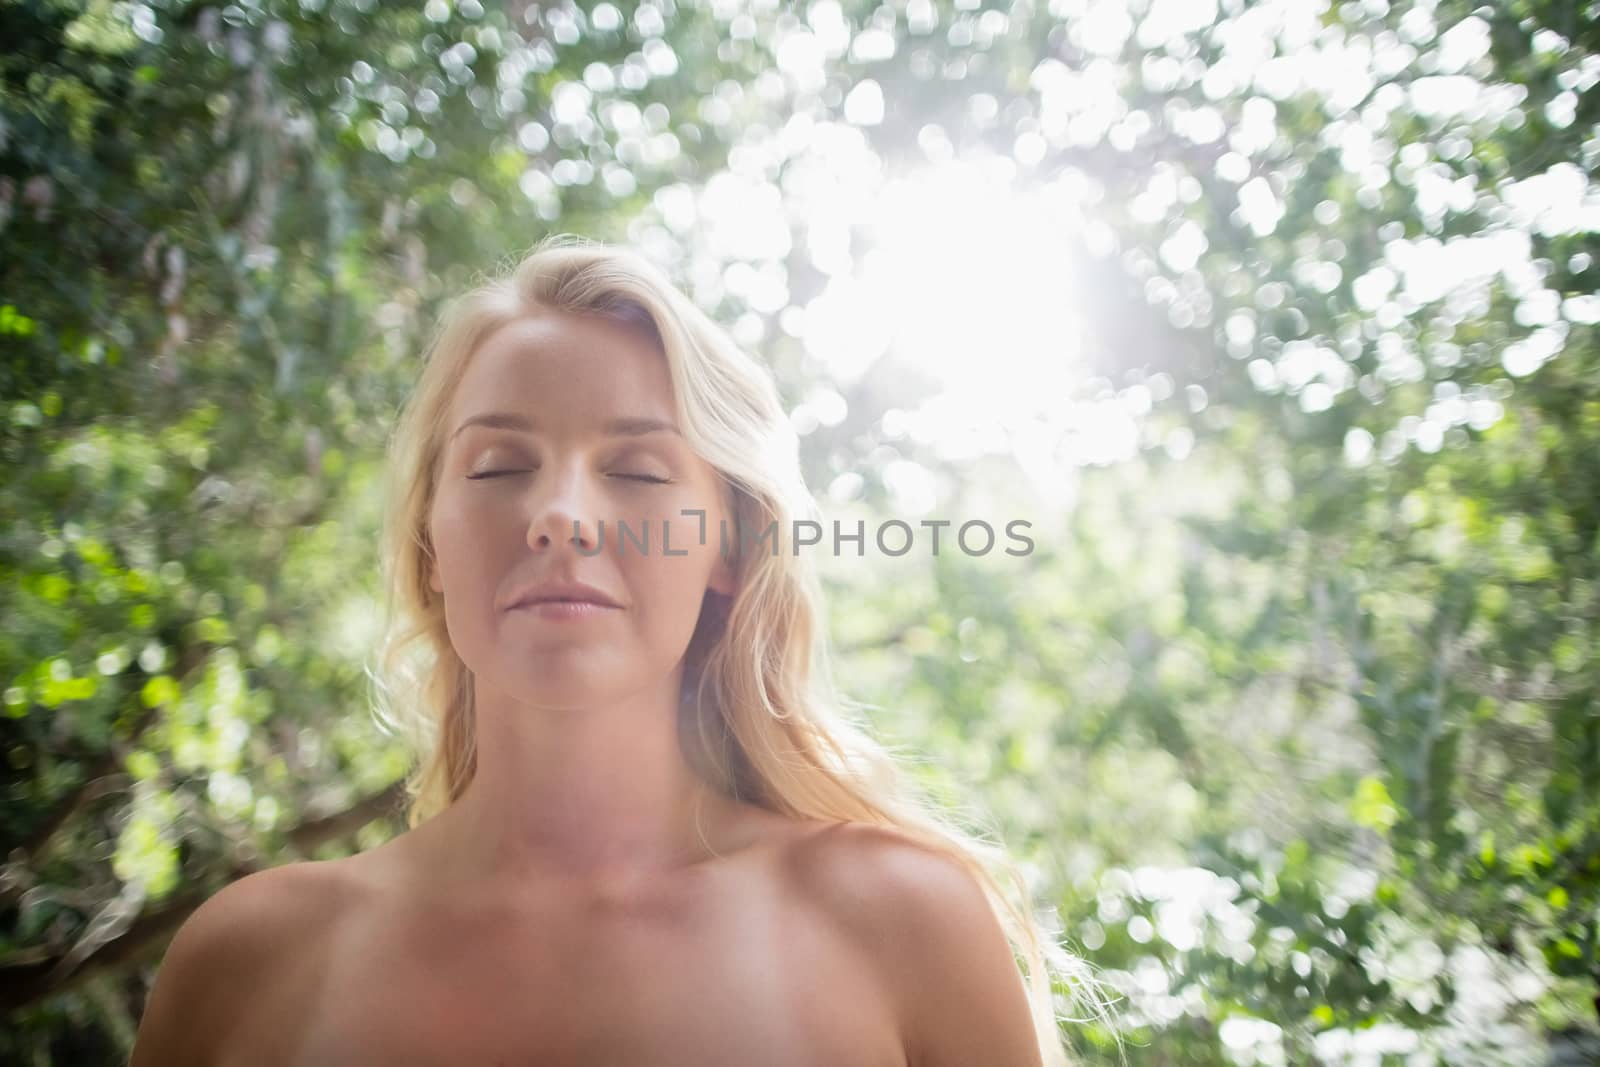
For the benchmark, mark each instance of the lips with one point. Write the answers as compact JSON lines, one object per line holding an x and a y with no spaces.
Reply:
{"x":565,"y":590}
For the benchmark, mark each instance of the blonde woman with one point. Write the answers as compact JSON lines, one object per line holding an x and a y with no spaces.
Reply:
{"x":643,"y":829}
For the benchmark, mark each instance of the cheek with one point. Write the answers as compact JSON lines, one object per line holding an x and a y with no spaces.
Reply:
{"x":462,"y":537}
{"x":474,"y":511}
{"x":694,"y":516}
{"x":442,"y":532}
{"x":671,"y":583}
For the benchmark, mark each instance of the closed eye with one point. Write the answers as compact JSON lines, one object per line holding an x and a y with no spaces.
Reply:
{"x":650,"y":478}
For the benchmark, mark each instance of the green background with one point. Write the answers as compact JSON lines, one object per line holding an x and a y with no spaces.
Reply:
{"x":1292,"y":712}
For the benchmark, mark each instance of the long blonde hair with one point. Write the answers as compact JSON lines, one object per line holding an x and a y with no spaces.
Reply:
{"x":773,"y":731}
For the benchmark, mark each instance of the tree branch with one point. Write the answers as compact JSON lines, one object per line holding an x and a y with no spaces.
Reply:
{"x":27,"y":977}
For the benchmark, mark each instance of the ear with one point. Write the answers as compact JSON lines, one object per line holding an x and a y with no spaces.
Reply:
{"x":433,"y":578}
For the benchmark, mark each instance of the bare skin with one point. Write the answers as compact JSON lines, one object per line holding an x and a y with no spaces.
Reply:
{"x":801,"y":943}
{"x":734,"y":960}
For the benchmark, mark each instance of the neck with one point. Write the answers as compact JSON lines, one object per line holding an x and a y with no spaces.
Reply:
{"x":600,"y":795}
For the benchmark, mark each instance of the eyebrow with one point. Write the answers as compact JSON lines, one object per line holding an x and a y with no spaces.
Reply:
{"x":627,"y":426}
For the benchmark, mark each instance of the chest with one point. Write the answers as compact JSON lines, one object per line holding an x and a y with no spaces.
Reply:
{"x":704,"y":978}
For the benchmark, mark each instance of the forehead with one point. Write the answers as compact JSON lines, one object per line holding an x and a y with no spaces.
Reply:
{"x":563,"y":367}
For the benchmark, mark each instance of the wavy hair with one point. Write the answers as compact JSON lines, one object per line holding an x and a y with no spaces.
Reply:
{"x":770,"y":726}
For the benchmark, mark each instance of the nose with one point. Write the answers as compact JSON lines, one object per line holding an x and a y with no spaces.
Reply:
{"x":562,"y":512}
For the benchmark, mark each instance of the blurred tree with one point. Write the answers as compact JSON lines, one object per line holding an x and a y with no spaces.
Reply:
{"x":1304,"y":750}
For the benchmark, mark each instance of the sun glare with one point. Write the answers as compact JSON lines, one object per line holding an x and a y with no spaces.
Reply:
{"x":967,"y":281}
{"x":970,"y":281}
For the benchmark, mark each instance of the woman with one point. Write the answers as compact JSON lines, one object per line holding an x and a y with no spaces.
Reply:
{"x":641,"y":830}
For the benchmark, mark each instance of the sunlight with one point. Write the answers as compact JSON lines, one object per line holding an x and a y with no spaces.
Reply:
{"x":969,"y":283}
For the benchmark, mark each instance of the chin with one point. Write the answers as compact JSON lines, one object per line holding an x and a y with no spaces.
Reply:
{"x":552,"y":683}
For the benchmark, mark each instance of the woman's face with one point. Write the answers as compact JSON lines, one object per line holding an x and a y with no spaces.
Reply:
{"x":544,"y":429}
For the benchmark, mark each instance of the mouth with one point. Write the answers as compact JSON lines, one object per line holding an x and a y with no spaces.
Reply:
{"x":558,"y":609}
{"x":563,"y":591}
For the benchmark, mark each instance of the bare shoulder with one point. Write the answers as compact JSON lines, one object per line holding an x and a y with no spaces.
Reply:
{"x":290,"y":893}
{"x":226,"y":953}
{"x":881,"y":882}
{"x":265,"y":911}
{"x":924,"y":919}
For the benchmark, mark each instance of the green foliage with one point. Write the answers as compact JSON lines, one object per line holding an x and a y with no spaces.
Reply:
{"x":1296,"y":723}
